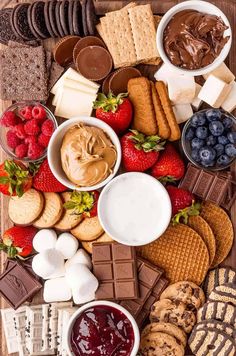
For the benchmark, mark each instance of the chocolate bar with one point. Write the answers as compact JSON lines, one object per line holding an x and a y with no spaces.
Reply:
{"x":115,"y":267}
{"x":27,"y":264}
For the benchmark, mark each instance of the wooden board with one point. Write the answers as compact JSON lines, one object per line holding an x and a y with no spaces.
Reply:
{"x":103,"y":6}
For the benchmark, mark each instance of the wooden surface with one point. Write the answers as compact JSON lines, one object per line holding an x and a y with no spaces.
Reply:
{"x":102,"y":6}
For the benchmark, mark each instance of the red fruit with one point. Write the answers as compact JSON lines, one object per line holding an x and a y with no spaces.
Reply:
{"x":12,"y":139}
{"x":170,"y":166}
{"x":39,"y":112}
{"x":35,"y":150}
{"x":15,"y":179}
{"x":9,"y":119}
{"x":26,"y":112}
{"x":116,"y":111}
{"x":32,"y":127}
{"x":45,"y":181}
{"x":84,"y":203}
{"x":21,"y":150}
{"x":31,"y":139}
{"x":18,"y":241}
{"x":20,"y":131}
{"x":180,"y":198}
{"x":44,"y":140}
{"x":139,"y":152}
{"x":48,"y":127}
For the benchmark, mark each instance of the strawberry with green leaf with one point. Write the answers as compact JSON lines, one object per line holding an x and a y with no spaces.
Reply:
{"x":44,"y":180}
{"x":83,"y":203}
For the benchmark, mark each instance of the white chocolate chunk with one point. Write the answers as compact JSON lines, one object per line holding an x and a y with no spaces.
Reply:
{"x":214,"y":91}
{"x":44,"y":239}
{"x":196,"y":103}
{"x":182,"y":112}
{"x":181,"y":90}
{"x":229,"y":103}
{"x":56,"y":290}
{"x":81,"y":256}
{"x":67,"y":244}
{"x":222,"y":72}
{"x":165,"y":72}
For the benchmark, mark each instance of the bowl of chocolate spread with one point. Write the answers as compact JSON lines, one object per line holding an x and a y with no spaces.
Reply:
{"x":194,"y":37}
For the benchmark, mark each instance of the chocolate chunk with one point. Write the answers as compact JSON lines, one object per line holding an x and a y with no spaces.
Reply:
{"x":64,"y":16}
{"x":52,"y":17}
{"x":91,"y":18}
{"x":38,"y":19}
{"x":85,"y":42}
{"x":7,"y":32}
{"x":77,"y":19}
{"x":118,"y":83}
{"x":19,"y":21}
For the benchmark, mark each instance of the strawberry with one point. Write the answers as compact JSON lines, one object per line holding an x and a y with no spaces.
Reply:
{"x":15,"y":179}
{"x":170,"y":166}
{"x":84,"y":203}
{"x":17,"y":241}
{"x":183,"y":204}
{"x":116,"y":111}
{"x":140,"y":152}
{"x":45,"y":181}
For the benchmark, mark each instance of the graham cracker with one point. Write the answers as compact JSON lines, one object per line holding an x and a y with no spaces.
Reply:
{"x":125,"y":8}
{"x":55,"y":72}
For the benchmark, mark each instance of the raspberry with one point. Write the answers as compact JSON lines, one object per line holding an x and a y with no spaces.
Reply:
{"x":48,"y":127}
{"x":44,"y":140}
{"x":21,"y":150}
{"x":39,"y":112}
{"x":30,"y":139}
{"x":35,"y":151}
{"x":12,"y":139}
{"x":9,"y":119}
{"x":20,"y":131}
{"x":32,"y":127}
{"x":26,"y":112}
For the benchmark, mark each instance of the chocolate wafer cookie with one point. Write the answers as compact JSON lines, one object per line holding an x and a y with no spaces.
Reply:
{"x":58,"y":20}
{"x":29,"y":18}
{"x":77,"y":19}
{"x":52,"y":17}
{"x":84,"y":20}
{"x":91,"y":18}
{"x":38,"y":20}
{"x":218,"y":276}
{"x":224,"y":293}
{"x":7,"y":32}
{"x":19,"y":21}
{"x":213,"y":324}
{"x":219,"y":311}
{"x":64,"y":16}
{"x":70,"y":17}
{"x":47,"y":20}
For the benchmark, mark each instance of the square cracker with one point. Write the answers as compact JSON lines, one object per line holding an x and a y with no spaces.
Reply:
{"x":144,"y":32}
{"x":55,"y":73}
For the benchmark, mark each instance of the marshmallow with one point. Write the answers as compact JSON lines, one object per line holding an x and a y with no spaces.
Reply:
{"x":181,"y":90}
{"x":48,"y":264}
{"x":81,"y":256}
{"x":230,"y":102}
{"x":196,"y":103}
{"x":82,"y":282}
{"x":165,"y":72}
{"x":44,"y":239}
{"x":182,"y":112}
{"x":221,"y":72}
{"x":67,"y":244}
{"x":214,"y":91}
{"x":56,"y":290}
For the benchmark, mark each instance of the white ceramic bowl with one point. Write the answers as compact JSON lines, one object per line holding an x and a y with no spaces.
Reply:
{"x":202,"y":6}
{"x":106,"y":303}
{"x":134,"y":209}
{"x":54,"y":157}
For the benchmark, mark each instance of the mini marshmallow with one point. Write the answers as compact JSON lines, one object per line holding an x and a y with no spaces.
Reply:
{"x":44,"y":239}
{"x":230,"y":102}
{"x":196,"y":103}
{"x":81,"y":256}
{"x":56,"y":290}
{"x":165,"y":72}
{"x":48,"y":263}
{"x":67,"y":244}
{"x":222,"y":72}
{"x":181,"y":90}
{"x":182,"y":112}
{"x":214,"y":91}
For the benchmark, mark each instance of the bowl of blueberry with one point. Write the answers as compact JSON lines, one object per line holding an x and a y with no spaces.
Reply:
{"x":209,"y":139}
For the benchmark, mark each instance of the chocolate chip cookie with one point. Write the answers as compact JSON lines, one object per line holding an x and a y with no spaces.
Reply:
{"x":166,"y":328}
{"x":160,"y":344}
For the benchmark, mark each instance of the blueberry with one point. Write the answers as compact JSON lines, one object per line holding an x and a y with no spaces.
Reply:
{"x":198,"y":119}
{"x":211,"y":140}
{"x":207,"y":163}
{"x":232,"y":136}
{"x":223,"y":140}
{"x":207,"y":154}
{"x":202,"y":132}
{"x":219,"y":148}
{"x":195,"y":155}
{"x":213,"y":114}
{"x":190,"y":133}
{"x":230,"y":150}
{"x":227,"y":122}
{"x":216,"y":128}
{"x":223,"y":160}
{"x":197,"y":143}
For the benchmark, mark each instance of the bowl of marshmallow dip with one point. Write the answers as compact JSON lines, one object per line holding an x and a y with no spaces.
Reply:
{"x":134,"y":209}
{"x":102,"y":328}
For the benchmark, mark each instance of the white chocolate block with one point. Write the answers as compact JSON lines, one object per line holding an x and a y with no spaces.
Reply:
{"x":181,"y":90}
{"x":196,"y":103}
{"x":229,"y":103}
{"x":182,"y":112}
{"x":222,"y":72}
{"x":9,"y":330}
{"x":44,"y":239}
{"x":67,"y":313}
{"x":53,"y":321}
{"x":165,"y":72}
{"x":48,"y":264}
{"x":67,"y":244}
{"x":56,"y":290}
{"x":81,"y":256}
{"x":214,"y":91}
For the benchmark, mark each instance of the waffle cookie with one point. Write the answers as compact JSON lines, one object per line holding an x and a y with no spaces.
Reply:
{"x":224,"y":293}
{"x":213,"y":324}
{"x":218,"y":311}
{"x":218,"y":276}
{"x":181,"y":252}
{"x":200,"y":225}
{"x":160,"y":344}
{"x":222,"y":229}
{"x":186,"y":292}
{"x":211,"y":342}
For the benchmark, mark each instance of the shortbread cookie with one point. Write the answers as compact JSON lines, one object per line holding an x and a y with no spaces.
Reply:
{"x":162,"y":123}
{"x":213,"y":324}
{"x":88,"y":230}
{"x":160,"y":344}
{"x":26,"y":209}
{"x":224,"y":293}
{"x":88,"y":245}
{"x":52,"y":211}
{"x":219,"y":311}
{"x":166,"y":328}
{"x":211,"y":342}
{"x":68,"y":220}
{"x":174,"y":312}
{"x":186,"y":292}
{"x":218,"y":276}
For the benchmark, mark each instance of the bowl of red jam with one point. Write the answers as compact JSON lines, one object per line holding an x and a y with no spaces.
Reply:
{"x":102,"y":328}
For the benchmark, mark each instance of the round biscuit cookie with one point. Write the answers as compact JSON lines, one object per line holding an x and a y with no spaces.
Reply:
{"x":68,"y":221}
{"x":88,"y":245}
{"x":88,"y":230}
{"x":173,"y":312}
{"x":224,"y":293}
{"x":166,"y":328}
{"x":211,"y":342}
{"x":160,"y":344}
{"x":218,"y":311}
{"x":226,"y":328}
{"x":26,"y":209}
{"x":186,"y":292}
{"x":19,"y":21}
{"x":218,"y":276}
{"x":52,"y":211}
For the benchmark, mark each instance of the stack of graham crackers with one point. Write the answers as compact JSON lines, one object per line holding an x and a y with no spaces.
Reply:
{"x":26,"y":72}
{"x":130,"y":35}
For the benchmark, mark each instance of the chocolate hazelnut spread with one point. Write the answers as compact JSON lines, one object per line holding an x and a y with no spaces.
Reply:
{"x":87,"y":155}
{"x":193,"y":40}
